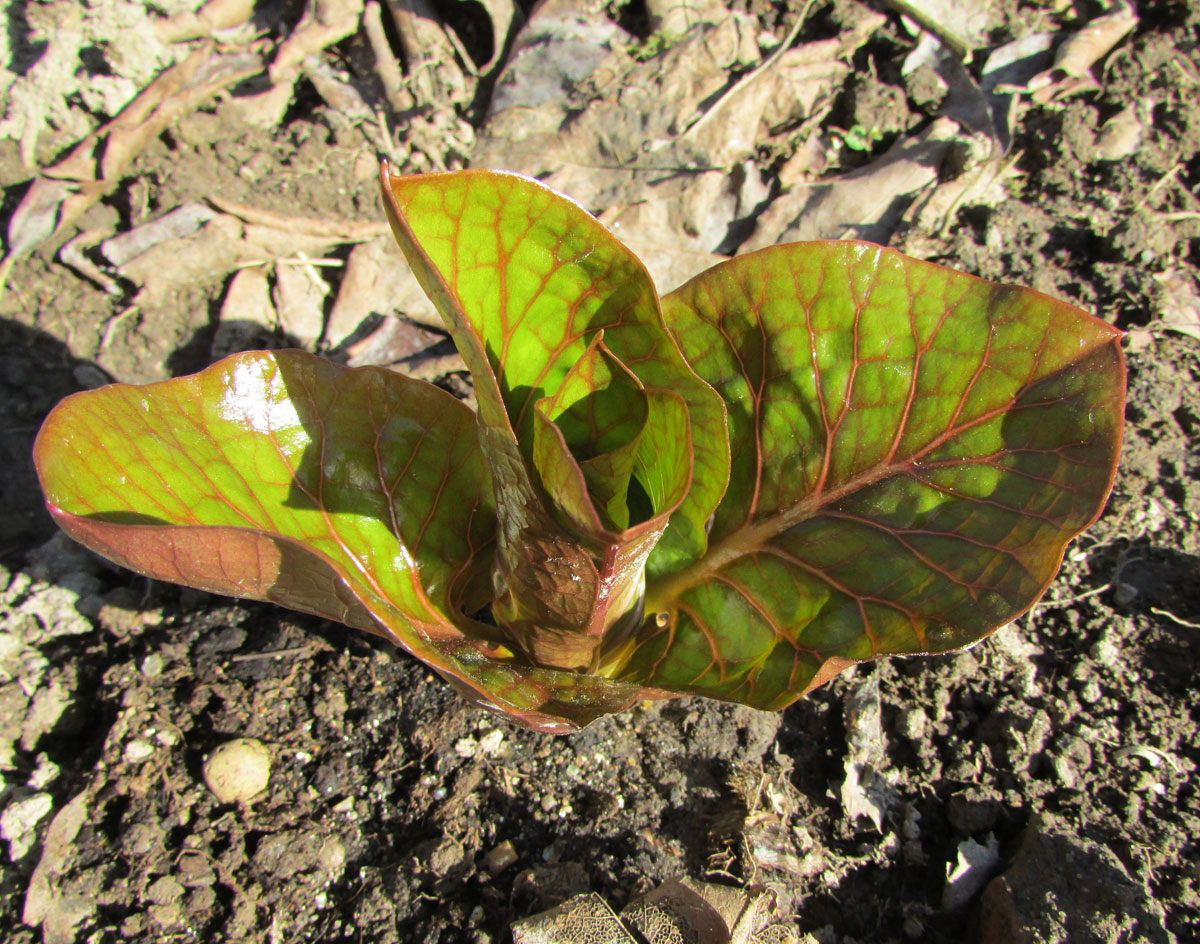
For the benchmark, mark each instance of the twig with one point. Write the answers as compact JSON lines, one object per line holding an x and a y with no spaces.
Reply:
{"x":956,"y":44}
{"x":1053,"y":604}
{"x":1173,"y":618}
{"x":341,"y":230}
{"x":386,"y":65}
{"x":750,"y":76}
{"x":289,"y":260}
{"x":111,"y":327}
{"x":1162,"y":182}
{"x":274,"y":654}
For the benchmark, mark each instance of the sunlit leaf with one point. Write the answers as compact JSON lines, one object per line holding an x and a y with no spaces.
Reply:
{"x":806,"y":457}
{"x":912,"y":449}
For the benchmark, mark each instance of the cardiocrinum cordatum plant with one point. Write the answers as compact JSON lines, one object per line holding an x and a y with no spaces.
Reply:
{"x":807,"y":456}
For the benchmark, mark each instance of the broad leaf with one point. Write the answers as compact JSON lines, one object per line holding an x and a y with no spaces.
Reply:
{"x":529,"y":284}
{"x":806,"y":457}
{"x":358,"y":495}
{"x":913,"y":447}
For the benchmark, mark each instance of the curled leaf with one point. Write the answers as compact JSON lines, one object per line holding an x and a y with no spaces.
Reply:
{"x":805,"y":457}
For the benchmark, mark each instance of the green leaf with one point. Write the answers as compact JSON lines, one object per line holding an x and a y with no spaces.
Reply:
{"x":357,"y":495}
{"x":550,"y":312}
{"x":818,"y":454}
{"x":525,"y":280}
{"x":596,"y":417}
{"x":375,"y":473}
{"x":912,"y":450}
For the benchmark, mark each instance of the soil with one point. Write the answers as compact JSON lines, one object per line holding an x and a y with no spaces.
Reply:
{"x":1067,"y":743}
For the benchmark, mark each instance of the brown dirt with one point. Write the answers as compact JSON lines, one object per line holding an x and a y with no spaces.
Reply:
{"x":1070,"y":738}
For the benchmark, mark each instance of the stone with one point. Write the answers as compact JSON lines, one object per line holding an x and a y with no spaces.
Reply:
{"x":238,"y":770}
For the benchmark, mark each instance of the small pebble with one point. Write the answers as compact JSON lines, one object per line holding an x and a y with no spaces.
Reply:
{"x":500,"y":858}
{"x":490,"y":743}
{"x":238,"y":770}
{"x":1092,"y":692}
{"x":138,"y":750}
{"x":466,"y":747}
{"x":19,"y":821}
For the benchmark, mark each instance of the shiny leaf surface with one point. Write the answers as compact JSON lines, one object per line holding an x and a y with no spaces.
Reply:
{"x":806,"y":457}
{"x":357,"y":495}
{"x":912,"y":449}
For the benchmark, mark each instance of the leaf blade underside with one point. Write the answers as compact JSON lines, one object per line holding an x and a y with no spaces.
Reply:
{"x":525,"y":280}
{"x":912,"y":450}
{"x":354,"y":494}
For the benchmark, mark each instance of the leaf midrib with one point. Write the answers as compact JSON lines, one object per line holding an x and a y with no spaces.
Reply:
{"x":753,"y":538}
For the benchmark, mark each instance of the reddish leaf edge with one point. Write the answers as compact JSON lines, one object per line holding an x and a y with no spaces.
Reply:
{"x":662,"y":592}
{"x":450,"y":653}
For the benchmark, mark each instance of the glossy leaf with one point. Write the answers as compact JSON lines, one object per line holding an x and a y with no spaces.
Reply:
{"x":357,"y":495}
{"x":805,"y":457}
{"x":913,"y":447}
{"x":528,"y":283}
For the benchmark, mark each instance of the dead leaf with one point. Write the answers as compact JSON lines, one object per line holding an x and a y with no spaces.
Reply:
{"x":435,"y":75}
{"x":83,"y":62}
{"x":72,"y":254}
{"x":584,"y":919}
{"x":324,"y":23}
{"x":246,"y":313}
{"x":1095,"y":41}
{"x":808,"y":77}
{"x":772,"y":844}
{"x":97,"y":164}
{"x":182,"y":221}
{"x":935,"y":211}
{"x":1180,"y":303}
{"x":387,"y":66}
{"x":673,"y":18}
{"x":501,"y":13}
{"x":341,"y":92}
{"x":669,"y":266}
{"x":399,"y":343}
{"x":220,"y":246}
{"x":963,"y":27}
{"x":636,"y":139}
{"x":299,"y":297}
{"x":561,"y":44}
{"x":864,"y":204}
{"x":681,"y":911}
{"x":214,"y":16}
{"x":37,"y":215}
{"x":338,"y":91}
{"x":970,"y":872}
{"x":865,"y":791}
{"x":965,"y":101}
{"x":1009,"y":69}
{"x":377,"y":281}
{"x":262,"y":109}
{"x":1082,"y":50}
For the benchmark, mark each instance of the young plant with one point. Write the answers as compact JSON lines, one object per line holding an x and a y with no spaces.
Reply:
{"x":805,"y":457}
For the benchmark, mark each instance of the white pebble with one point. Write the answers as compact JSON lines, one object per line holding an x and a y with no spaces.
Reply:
{"x":138,"y":750}
{"x":19,"y":821}
{"x":490,"y":742}
{"x":238,"y":770}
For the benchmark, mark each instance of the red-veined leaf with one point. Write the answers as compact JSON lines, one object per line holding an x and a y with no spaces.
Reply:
{"x":912,"y":450}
